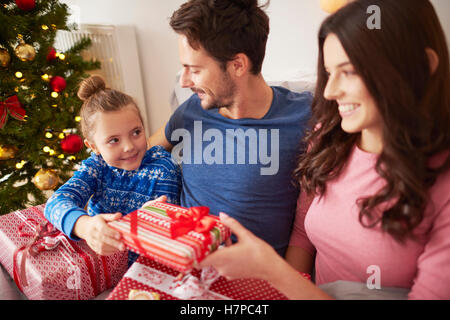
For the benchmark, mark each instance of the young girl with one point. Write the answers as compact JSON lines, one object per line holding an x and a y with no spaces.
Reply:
{"x":119,"y":176}
{"x":377,"y":165}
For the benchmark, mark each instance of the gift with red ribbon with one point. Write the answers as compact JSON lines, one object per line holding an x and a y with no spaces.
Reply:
{"x":195,"y":218}
{"x":175,"y":236}
{"x":13,"y":107}
{"x":155,"y":278}
{"x":47,"y":265}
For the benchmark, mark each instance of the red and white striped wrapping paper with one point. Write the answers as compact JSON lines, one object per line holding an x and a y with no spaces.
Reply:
{"x":151,"y":237}
{"x":149,"y":275}
{"x":69,"y":271}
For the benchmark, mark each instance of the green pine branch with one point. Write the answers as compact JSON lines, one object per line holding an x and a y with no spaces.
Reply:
{"x":45,"y":114}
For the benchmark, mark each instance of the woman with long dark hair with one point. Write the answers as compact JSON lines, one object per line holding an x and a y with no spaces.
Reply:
{"x":378,"y":163}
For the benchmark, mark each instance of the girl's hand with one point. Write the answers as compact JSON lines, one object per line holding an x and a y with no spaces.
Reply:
{"x":160,"y":199}
{"x":98,"y":235}
{"x":250,"y":257}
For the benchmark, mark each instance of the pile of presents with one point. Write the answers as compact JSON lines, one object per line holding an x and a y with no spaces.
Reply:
{"x":170,"y":240}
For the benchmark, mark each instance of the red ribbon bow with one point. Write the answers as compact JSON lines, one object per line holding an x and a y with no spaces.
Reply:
{"x":196,"y":218}
{"x":12,"y":106}
{"x":46,"y":237}
{"x":43,"y":238}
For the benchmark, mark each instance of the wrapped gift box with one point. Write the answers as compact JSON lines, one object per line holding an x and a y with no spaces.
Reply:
{"x":172,"y":235}
{"x":159,"y":280}
{"x":46,"y":265}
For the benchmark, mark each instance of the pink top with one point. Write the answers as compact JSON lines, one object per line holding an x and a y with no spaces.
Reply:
{"x":348,"y":251}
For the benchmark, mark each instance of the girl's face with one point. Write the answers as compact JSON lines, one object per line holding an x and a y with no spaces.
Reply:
{"x":357,"y":107}
{"x":119,"y":137}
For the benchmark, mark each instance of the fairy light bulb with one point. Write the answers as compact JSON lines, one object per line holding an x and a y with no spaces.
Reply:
{"x":44,"y":27}
{"x":20,"y":164}
{"x":46,"y":149}
{"x":49,"y":135}
{"x":51,"y":152}
{"x":62,"y":56}
{"x":61,"y":156}
{"x":61,"y":135}
{"x":77,"y":118}
{"x":54,"y":94}
{"x":19,"y":74}
{"x":45,"y":77}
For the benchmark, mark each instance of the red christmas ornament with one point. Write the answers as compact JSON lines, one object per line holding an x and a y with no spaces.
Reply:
{"x":58,"y":83}
{"x":72,"y":144}
{"x":51,"y":54}
{"x":26,"y":5}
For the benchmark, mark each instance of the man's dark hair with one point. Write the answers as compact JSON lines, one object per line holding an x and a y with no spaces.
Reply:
{"x":225,"y":28}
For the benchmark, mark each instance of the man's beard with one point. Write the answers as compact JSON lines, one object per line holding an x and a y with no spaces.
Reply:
{"x":223,"y":98}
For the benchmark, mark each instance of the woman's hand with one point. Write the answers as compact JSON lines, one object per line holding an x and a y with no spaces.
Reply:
{"x":251,"y":257}
{"x":248,"y":258}
{"x":99,"y":236}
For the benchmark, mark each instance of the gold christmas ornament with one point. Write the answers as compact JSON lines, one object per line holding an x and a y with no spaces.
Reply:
{"x":46,"y":179}
{"x":8,"y":152}
{"x":5,"y":58}
{"x":25,"y":52}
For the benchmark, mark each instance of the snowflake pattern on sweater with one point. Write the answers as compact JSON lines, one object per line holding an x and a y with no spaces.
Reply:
{"x":110,"y":190}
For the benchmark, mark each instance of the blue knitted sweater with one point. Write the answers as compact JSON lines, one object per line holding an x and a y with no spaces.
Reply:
{"x":112,"y":189}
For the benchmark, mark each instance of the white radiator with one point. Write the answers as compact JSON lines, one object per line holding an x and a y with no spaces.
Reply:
{"x":116,"y":49}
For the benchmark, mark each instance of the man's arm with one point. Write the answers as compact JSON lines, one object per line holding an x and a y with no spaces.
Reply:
{"x":159,"y":139}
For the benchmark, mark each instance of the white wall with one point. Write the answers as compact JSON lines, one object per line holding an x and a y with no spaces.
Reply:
{"x":157,"y":45}
{"x":292,"y":44}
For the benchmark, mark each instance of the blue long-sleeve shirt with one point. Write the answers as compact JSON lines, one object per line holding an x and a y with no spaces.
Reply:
{"x":112,"y":189}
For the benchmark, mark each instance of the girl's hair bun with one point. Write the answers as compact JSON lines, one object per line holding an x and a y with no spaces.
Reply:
{"x":90,"y":86}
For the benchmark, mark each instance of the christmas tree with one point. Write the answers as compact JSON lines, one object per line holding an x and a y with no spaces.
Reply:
{"x":39,"y":141}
